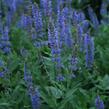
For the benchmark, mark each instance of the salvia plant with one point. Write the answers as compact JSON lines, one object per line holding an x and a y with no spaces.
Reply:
{"x":54,"y":55}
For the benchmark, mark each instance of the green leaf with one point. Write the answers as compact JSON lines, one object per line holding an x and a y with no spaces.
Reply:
{"x":57,"y":93}
{"x":4,"y":104}
{"x":105,"y":82}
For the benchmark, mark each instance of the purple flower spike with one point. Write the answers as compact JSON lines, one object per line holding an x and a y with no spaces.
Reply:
{"x":5,"y":45}
{"x":74,"y":63}
{"x":99,"y":103}
{"x":89,"y":50}
{"x":34,"y":93}
{"x":37,"y":18}
{"x":60,"y":78}
{"x":103,"y":10}
{"x":35,"y":98}
{"x":1,"y":74}
{"x":93,"y":17}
